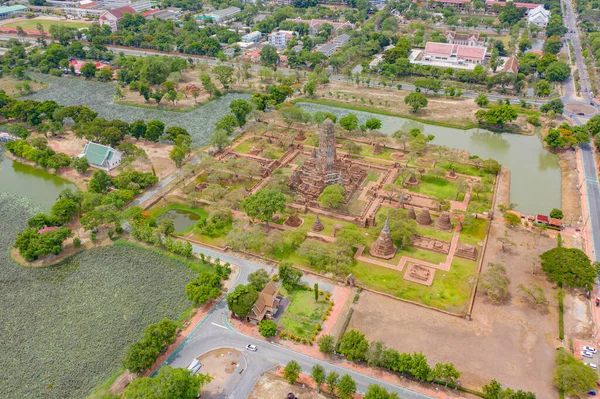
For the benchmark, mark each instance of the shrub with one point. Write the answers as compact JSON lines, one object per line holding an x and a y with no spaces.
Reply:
{"x":76,"y":242}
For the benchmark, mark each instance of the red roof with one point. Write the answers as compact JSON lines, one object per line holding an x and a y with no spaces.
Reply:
{"x":529,"y":6}
{"x":538,"y":52}
{"x":118,"y":12}
{"x":439,"y":48}
{"x":77,"y":64}
{"x":88,"y":5}
{"x":475,"y":53}
{"x":453,"y":1}
{"x":512,"y":65}
{"x":542,"y":218}
{"x":150,"y":12}
{"x":555,"y":222}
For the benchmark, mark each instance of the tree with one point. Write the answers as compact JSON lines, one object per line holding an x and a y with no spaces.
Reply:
{"x":416,"y":101}
{"x":203,"y":288}
{"x":105,"y":74}
{"x":240,"y":109}
{"x":494,"y":282}
{"x":259,"y":279}
{"x":497,"y":115}
{"x":332,"y":381}
{"x":316,"y":291}
{"x":310,"y":87}
{"x":260,"y":101}
{"x":572,"y":376}
{"x":280,"y":93}
{"x":224,"y":74}
{"x":169,"y":383}
{"x":552,"y":45}
{"x":289,"y":276}
{"x":291,"y":372}
{"x":556,"y":106}
{"x":482,"y":100}
{"x":446,"y":373}
{"x":346,"y":387}
{"x":294,"y":114}
{"x":593,"y":125}
{"x":154,"y":130}
{"x":419,"y":367}
{"x":542,"y":88}
{"x":80,"y":164}
{"x":354,"y":345}
{"x":219,"y":139}
{"x":332,"y":196}
{"x":139,"y":357}
{"x":177,"y":155}
{"x":556,"y":213}
{"x":64,"y":209}
{"x":263,"y":204}
{"x":207,"y":84}
{"x":241,"y":300}
{"x":88,"y":70}
{"x":377,"y":392}
{"x":269,"y":56}
{"x":100,"y":182}
{"x":326,"y":344}
{"x":511,"y":219}
{"x":138,"y":129}
{"x":534,"y":292}
{"x":427,"y":84}
{"x":317,"y":373}
{"x":349,"y":122}
{"x":227,"y":123}
{"x":492,"y":390}
{"x":267,"y":328}
{"x":402,"y":137}
{"x":373,"y":124}
{"x":558,"y":71}
{"x":569,"y":266}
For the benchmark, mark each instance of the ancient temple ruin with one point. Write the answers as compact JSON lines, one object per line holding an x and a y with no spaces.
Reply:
{"x":317,"y":225}
{"x":324,"y":168}
{"x":384,"y":247}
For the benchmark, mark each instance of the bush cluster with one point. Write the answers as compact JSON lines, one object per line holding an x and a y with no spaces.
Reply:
{"x":142,"y":354}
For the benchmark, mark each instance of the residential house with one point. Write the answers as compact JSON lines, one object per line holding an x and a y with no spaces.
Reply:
{"x":101,"y":156}
{"x":112,"y":17}
{"x":512,"y":65}
{"x":454,"y":53}
{"x":266,"y":305}
{"x":539,"y":16}
{"x":466,"y":39}
{"x":342,"y":39}
{"x":314,"y":24}
{"x":328,"y":49}
{"x":252,"y":37}
{"x":280,"y":39}
{"x":252,"y":56}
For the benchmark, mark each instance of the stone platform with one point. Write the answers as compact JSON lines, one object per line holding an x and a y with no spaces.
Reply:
{"x":419,"y":274}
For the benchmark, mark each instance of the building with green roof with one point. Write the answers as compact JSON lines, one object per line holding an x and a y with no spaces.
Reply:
{"x":101,"y":156}
{"x":11,"y":11}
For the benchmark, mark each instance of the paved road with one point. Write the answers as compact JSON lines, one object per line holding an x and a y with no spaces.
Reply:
{"x":215,"y":332}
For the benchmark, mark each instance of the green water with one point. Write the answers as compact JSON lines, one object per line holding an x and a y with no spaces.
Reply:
{"x":37,"y":185}
{"x":181,"y":219}
{"x":535,"y":179}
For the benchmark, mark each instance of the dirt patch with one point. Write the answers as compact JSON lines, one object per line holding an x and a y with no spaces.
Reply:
{"x":118,"y":387}
{"x":9,"y":85}
{"x":221,"y":365}
{"x":272,"y":386}
{"x":513,"y":343}
{"x":571,"y":200}
{"x":587,"y":109}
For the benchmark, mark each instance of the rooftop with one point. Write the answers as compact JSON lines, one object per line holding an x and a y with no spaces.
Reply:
{"x":97,"y":153}
{"x":18,"y":7}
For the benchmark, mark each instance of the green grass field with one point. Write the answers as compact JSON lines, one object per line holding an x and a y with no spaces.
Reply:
{"x":303,"y":313}
{"x":436,"y":187}
{"x":31,"y":24}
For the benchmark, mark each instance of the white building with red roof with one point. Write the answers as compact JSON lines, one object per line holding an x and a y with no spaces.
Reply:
{"x":454,"y":53}
{"x":527,"y":6}
{"x":112,"y":17}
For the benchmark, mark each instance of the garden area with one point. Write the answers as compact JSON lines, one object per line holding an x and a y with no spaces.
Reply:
{"x":86,"y":323}
{"x":303,"y":314}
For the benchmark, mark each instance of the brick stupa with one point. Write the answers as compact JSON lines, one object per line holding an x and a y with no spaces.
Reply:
{"x":324,"y":168}
{"x":317,"y":225}
{"x":383,"y":248}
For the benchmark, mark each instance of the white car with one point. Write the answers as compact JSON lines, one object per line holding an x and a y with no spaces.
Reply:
{"x":592,"y":365}
{"x":589,"y":349}
{"x":253,"y":348}
{"x":587,"y":354}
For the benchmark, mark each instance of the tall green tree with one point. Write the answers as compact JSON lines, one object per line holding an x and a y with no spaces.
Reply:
{"x":263,"y":204}
{"x":291,"y":372}
{"x":346,"y":387}
{"x":569,"y":266}
{"x":240,"y":109}
{"x":317,"y":373}
{"x":416,"y":101}
{"x":169,"y":383}
{"x":241,"y":300}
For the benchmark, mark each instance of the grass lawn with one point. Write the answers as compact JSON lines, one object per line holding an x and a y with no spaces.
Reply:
{"x":303,"y":313}
{"x":450,"y":290}
{"x":435,"y":187}
{"x":463,"y":169}
{"x":31,"y":24}
{"x":474,"y":234}
{"x":434,"y":233}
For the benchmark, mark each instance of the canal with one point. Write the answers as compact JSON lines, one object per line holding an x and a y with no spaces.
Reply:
{"x":535,"y":181}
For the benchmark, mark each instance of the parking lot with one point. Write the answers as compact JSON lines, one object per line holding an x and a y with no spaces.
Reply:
{"x":595,"y":357}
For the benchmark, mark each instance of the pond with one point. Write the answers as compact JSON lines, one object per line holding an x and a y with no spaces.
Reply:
{"x":181,"y":219}
{"x":535,"y":180}
{"x":40,"y":187}
{"x":100,"y":98}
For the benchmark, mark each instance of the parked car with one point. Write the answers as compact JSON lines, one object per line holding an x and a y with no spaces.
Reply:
{"x":587,"y":354}
{"x":592,"y":365}
{"x":580,"y":114}
{"x":589,"y":349}
{"x":253,"y":348}
{"x":592,"y":393}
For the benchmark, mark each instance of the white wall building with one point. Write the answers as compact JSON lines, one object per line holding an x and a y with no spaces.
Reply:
{"x":252,"y":37}
{"x":280,"y":39}
{"x":539,"y":16}
{"x":224,"y":15}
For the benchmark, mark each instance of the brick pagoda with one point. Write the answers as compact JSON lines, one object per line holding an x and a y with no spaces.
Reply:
{"x":324,"y":168}
{"x":383,"y":248}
